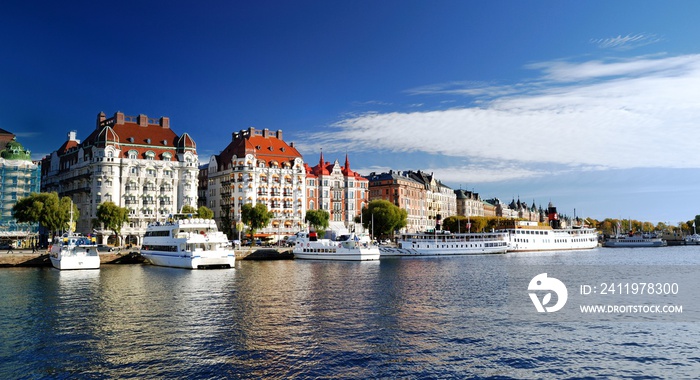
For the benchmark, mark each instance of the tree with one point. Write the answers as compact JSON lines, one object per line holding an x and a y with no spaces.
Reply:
{"x":46,"y":209}
{"x":187,"y":209}
{"x":112,"y":216}
{"x":205,"y":212}
{"x":318,"y":219}
{"x":255,"y":217}
{"x":386,"y":217}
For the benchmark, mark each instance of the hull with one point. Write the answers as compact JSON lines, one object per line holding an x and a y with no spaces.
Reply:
{"x":396,"y":252}
{"x":74,"y":262}
{"x":348,"y":256}
{"x":634,"y":244}
{"x":217,"y":259}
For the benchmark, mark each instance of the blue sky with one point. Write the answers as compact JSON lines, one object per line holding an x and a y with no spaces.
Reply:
{"x":592,"y":105}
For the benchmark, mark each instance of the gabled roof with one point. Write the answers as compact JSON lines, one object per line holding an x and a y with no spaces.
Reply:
{"x":264,"y":145}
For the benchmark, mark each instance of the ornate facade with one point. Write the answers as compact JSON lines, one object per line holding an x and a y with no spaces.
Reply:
{"x":257,"y":166}
{"x":134,"y":161}
{"x":19,"y":177}
{"x":404,"y":192}
{"x":338,"y":190}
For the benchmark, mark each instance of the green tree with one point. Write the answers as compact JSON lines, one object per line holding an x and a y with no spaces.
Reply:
{"x":112,"y":216}
{"x":255,"y":217}
{"x":386,"y":217}
{"x":46,"y":209}
{"x":187,"y":209}
{"x":205,"y":212}
{"x":319,"y":220}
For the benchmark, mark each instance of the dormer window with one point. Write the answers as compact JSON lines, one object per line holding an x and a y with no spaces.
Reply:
{"x":130,"y":139}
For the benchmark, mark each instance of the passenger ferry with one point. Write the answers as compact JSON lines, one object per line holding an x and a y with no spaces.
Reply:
{"x":74,"y":251}
{"x":529,"y":236}
{"x":634,"y":241}
{"x":348,"y":248}
{"x":446,"y":243}
{"x":526,"y":236}
{"x":187,"y":243}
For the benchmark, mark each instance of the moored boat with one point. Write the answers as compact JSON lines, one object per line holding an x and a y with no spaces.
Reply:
{"x":74,"y":251}
{"x":634,"y":241}
{"x":529,"y":236}
{"x":187,"y":243}
{"x":445,"y":243}
{"x":309,"y":247}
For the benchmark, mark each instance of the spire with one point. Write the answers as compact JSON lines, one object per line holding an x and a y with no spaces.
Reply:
{"x":320,"y":162}
{"x":347,"y":162}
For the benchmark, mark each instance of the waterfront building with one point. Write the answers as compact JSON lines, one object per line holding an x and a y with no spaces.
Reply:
{"x":469,"y":203}
{"x":136,"y":162}
{"x":19,"y":177}
{"x":404,"y":192}
{"x":441,"y":200}
{"x":258,"y":166}
{"x":339,"y":191}
{"x":521,"y":210}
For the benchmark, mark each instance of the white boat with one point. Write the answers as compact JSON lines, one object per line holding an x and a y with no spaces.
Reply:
{"x":634,"y":241}
{"x":187,"y":243}
{"x":73,"y":251}
{"x":529,"y":236}
{"x":693,"y":239}
{"x":350,"y":248}
{"x":435,"y":244}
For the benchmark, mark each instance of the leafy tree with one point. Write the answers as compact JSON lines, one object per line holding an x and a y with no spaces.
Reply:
{"x":187,"y":209}
{"x":205,"y":212}
{"x":255,"y":217}
{"x":46,"y":209}
{"x":319,"y":219}
{"x":386,"y":217}
{"x":112,"y":216}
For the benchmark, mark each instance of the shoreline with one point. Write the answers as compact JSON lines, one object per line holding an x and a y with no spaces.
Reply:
{"x":25,"y":258}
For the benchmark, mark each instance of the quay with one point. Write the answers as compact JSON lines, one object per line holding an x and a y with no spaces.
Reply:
{"x":25,"y":257}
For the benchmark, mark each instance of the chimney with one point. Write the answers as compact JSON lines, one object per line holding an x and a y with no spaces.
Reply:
{"x":266,"y":132}
{"x":100,"y":118}
{"x":73,"y":136}
{"x":279,"y":134}
{"x":142,"y":120}
{"x":119,"y":118}
{"x":165,"y":122}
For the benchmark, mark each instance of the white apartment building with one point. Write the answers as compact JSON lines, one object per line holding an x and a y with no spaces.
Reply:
{"x":257,"y":166}
{"x":134,"y":161}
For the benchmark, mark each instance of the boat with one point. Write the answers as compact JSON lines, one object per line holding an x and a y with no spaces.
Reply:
{"x":693,"y":239}
{"x":308,"y":246}
{"x":446,"y":243}
{"x":530,"y":236}
{"x":73,"y":251}
{"x":187,"y":243}
{"x":632,"y":240}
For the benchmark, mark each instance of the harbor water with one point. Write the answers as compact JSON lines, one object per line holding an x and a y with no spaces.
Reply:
{"x":438,"y":317}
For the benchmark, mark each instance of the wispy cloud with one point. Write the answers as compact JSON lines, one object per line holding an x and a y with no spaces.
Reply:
{"x":627,"y":42}
{"x":595,"y":115}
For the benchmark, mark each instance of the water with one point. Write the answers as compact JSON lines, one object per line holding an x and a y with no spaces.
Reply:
{"x":397,"y":318}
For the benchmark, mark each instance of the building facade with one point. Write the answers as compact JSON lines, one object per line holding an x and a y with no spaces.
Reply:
{"x":338,"y":190}
{"x":135,"y":162}
{"x":404,"y":192}
{"x":469,"y":203}
{"x":258,"y":166}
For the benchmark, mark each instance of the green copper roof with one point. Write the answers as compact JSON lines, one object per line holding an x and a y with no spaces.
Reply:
{"x":15,"y":151}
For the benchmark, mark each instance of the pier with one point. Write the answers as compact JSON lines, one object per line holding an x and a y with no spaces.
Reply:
{"x":25,"y":258}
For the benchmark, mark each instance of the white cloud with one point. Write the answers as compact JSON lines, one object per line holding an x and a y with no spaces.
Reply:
{"x":626,"y":114}
{"x":626,"y":42}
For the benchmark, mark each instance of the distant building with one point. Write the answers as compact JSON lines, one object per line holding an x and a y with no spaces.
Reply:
{"x":441,"y":199}
{"x":258,"y":166}
{"x":404,"y":192}
{"x":469,"y":203}
{"x":338,"y":190}
{"x":19,"y":177}
{"x":134,"y":161}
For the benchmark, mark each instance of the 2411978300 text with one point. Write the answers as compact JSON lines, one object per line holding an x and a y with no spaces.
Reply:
{"x":631,"y":288}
